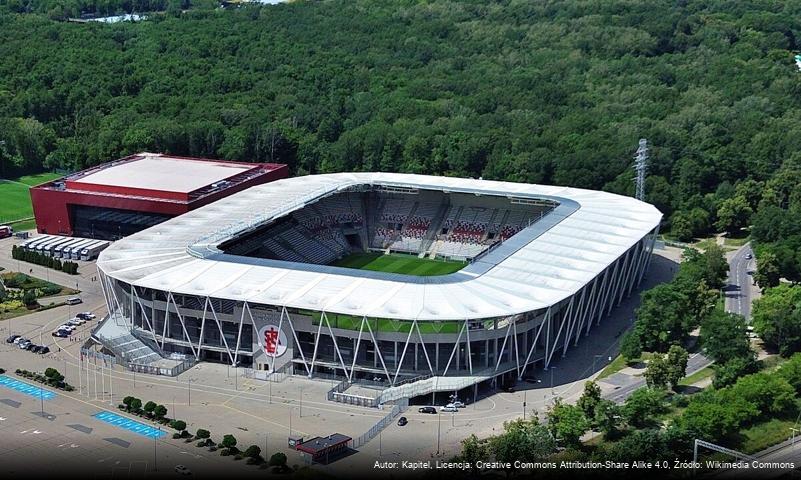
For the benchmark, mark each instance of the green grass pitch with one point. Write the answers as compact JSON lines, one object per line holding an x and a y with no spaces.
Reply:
{"x":399,"y":263}
{"x":15,"y":200}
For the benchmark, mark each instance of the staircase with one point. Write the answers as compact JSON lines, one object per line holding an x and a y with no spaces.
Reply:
{"x":113,"y":334}
{"x":436,"y":225}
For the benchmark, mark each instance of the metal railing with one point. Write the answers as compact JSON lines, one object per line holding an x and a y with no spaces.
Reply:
{"x":362,"y":439}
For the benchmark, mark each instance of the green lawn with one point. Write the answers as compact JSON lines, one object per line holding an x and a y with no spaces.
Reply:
{"x":15,"y":201}
{"x":399,"y":263}
{"x":697,"y":376}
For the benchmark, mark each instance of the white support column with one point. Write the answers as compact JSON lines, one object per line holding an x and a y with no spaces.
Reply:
{"x":455,"y":349}
{"x":555,"y":340}
{"x":403,"y":353}
{"x":425,"y":351}
{"x":533,"y":348}
{"x":570,"y":322}
{"x":239,"y":334}
{"x":219,"y":327}
{"x":378,"y":351}
{"x":297,"y":341}
{"x":627,"y":279}
{"x":599,"y":294}
{"x":144,"y":312}
{"x":202,"y":328}
{"x":607,"y":293}
{"x":336,"y":346}
{"x":585,"y":311}
{"x":356,"y":348}
{"x":514,"y":344}
{"x":503,"y":346}
{"x":637,"y":266}
{"x":181,"y":321}
{"x":650,"y":251}
{"x":618,"y":283}
{"x":102,"y":280}
{"x":316,"y":344}
{"x":469,"y":352}
{"x":166,"y":320}
{"x":548,"y":340}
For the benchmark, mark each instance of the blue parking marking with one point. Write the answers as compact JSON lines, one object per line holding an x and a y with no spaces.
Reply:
{"x":26,"y":388}
{"x":130,"y":425}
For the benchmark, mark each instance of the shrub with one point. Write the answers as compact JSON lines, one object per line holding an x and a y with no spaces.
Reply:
{"x":176,"y":435}
{"x":202,"y":433}
{"x":278,"y":460}
{"x":179,"y":425}
{"x":225,"y":452}
{"x":252,"y":451}
{"x":228,"y":441}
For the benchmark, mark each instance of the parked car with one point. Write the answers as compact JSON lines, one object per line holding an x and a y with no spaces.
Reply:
{"x":43,"y":350}
{"x":24,"y":344}
{"x":30,"y":346}
{"x":60,"y":334}
{"x":86,"y":316}
{"x":69,"y":328}
{"x":12,"y":338}
{"x":459,"y":404}
{"x":36,"y":348}
{"x":748,"y":256}
{"x":402,"y":421}
{"x":74,"y":301}
{"x":75,"y":321}
{"x":18,"y":340}
{"x":182,"y":470}
{"x":449,"y":408}
{"x":427,"y":410}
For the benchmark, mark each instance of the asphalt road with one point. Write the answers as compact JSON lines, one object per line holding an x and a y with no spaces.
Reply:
{"x":738,"y":288}
{"x":737,"y":292}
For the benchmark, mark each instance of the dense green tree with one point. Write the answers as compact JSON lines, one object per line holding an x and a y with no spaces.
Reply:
{"x":777,"y":318}
{"x":630,"y":347}
{"x":642,"y":406}
{"x":725,"y":337}
{"x":607,"y":418}
{"x":676,"y":364}
{"x":589,"y":399}
{"x":767,"y":273}
{"x":735,"y":368}
{"x":567,"y":423}
{"x":658,"y":373}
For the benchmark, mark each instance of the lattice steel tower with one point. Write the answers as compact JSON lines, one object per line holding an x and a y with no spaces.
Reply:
{"x":640,"y":167}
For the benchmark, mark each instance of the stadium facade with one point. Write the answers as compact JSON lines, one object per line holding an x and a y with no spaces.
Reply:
{"x":247,"y":280}
{"x":122,"y":197}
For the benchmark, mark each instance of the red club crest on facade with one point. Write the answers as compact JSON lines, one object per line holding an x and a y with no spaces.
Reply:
{"x":272,"y":340}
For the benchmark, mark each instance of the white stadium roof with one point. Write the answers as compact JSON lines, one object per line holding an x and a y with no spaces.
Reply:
{"x":540,"y":266}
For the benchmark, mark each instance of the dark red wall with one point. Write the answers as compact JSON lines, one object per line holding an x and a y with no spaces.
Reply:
{"x":51,"y":207}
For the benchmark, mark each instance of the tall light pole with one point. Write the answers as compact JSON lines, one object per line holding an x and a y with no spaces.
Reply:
{"x":524,"y":405}
{"x":189,"y":392}
{"x":300,"y":413}
{"x":155,"y":443}
{"x":552,"y":391}
{"x":439,"y":416}
{"x":596,"y":357}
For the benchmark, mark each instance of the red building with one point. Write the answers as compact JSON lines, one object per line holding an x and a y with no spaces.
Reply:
{"x":125,"y":196}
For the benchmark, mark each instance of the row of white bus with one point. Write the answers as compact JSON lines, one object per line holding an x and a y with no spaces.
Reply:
{"x":65,"y":247}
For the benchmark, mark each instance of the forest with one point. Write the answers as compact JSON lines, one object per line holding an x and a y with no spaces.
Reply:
{"x":554,"y":92}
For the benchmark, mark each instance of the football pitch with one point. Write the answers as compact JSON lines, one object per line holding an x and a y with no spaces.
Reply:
{"x":399,"y":263}
{"x":15,"y":200}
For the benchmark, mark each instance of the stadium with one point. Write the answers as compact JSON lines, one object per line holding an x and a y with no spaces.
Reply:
{"x":421,"y":283}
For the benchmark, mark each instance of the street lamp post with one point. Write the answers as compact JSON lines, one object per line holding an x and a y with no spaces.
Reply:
{"x":596,"y":357}
{"x":439,"y":416}
{"x":552,"y":390}
{"x":189,"y":392}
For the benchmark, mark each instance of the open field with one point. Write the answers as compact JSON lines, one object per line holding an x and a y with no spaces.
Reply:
{"x":398,"y":263}
{"x":15,"y":201}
